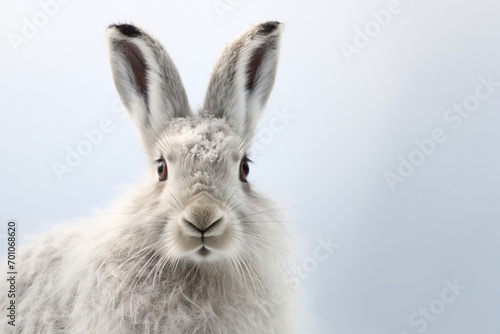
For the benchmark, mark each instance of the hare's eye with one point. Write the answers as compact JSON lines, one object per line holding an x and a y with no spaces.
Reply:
{"x":244,"y":170}
{"x":162,"y":170}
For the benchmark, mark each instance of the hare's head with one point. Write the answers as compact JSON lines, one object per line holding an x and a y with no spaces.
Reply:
{"x":200,"y":205}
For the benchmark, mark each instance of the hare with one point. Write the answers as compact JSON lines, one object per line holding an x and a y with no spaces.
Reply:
{"x":193,"y":248}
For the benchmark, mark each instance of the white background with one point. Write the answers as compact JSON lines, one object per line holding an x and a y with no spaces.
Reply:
{"x":352,"y":119}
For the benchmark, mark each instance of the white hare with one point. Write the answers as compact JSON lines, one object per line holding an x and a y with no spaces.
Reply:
{"x":193,"y":248}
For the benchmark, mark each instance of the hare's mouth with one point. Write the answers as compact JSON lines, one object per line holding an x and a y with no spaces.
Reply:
{"x":213,"y":243}
{"x":204,"y":231}
{"x":209,"y":248}
{"x":203,"y":251}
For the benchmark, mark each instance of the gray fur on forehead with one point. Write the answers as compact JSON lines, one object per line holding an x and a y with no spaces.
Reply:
{"x":205,"y":138}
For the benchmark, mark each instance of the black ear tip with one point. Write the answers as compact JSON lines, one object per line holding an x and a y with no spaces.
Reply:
{"x":268,"y":27}
{"x":127,"y":29}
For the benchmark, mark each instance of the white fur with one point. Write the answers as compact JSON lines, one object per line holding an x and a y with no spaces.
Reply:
{"x":138,"y":268}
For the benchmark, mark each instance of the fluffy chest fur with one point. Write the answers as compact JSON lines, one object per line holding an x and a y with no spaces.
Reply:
{"x":98,"y":291}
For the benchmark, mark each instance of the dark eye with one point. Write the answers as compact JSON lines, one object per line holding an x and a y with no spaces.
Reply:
{"x":162,"y":170}
{"x":244,"y":170}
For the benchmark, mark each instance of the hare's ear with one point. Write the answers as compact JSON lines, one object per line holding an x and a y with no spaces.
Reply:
{"x":147,"y":80}
{"x":243,"y":77}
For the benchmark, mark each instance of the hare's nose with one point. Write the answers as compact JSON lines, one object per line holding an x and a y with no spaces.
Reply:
{"x":202,"y":228}
{"x":202,"y":220}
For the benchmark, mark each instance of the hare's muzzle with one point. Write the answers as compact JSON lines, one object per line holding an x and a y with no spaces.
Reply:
{"x":205,"y":231}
